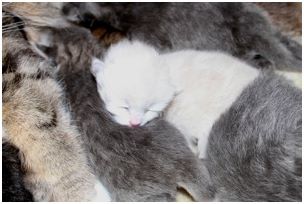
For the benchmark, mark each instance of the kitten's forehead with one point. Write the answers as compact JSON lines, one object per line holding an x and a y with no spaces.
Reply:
{"x":136,"y":89}
{"x":130,"y":49}
{"x":133,"y":74}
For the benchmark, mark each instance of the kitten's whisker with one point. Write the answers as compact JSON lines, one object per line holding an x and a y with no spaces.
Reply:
{"x":13,"y":24}
{"x":5,"y":4}
{"x":12,"y":27}
{"x":7,"y":15}
{"x":13,"y":30}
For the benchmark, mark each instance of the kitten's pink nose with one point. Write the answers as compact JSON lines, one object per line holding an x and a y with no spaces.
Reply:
{"x":134,"y":122}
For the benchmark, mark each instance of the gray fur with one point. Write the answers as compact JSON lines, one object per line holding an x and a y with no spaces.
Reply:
{"x":241,"y":29}
{"x":255,"y":148}
{"x":135,"y":164}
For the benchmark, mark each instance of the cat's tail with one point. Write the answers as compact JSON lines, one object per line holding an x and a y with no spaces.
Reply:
{"x":294,"y":46}
{"x":278,"y":53}
{"x":263,"y":45}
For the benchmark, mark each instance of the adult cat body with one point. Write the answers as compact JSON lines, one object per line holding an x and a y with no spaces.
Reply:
{"x":247,"y":123}
{"x":241,"y":29}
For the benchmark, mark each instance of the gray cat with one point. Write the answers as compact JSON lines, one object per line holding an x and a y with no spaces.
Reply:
{"x":134,"y":164}
{"x":241,"y":29}
{"x":255,"y":148}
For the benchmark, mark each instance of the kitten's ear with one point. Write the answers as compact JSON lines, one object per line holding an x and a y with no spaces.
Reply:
{"x":96,"y":66}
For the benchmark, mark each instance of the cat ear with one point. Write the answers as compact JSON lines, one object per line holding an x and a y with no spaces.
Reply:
{"x":96,"y":66}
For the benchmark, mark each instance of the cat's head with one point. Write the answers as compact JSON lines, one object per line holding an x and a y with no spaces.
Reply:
{"x":133,"y":83}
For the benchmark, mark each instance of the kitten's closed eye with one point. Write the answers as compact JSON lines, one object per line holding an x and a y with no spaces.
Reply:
{"x":157,"y":108}
{"x":124,"y":107}
{"x":151,"y":110}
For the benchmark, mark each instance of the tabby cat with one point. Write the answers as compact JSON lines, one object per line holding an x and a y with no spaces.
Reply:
{"x":37,"y":123}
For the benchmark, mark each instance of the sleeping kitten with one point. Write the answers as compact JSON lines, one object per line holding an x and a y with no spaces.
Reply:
{"x":197,"y":90}
{"x":37,"y":123}
{"x":137,"y":84}
{"x":240,"y":29}
{"x":135,"y":164}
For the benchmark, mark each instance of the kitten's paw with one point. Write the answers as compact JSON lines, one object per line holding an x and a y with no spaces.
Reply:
{"x":96,"y":66}
{"x":202,"y":147}
{"x":192,"y":143}
{"x":102,"y":194}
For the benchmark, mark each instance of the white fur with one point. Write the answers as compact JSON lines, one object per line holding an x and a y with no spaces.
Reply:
{"x":102,"y":195}
{"x":130,"y":87}
{"x":205,"y":84}
{"x":209,"y":82}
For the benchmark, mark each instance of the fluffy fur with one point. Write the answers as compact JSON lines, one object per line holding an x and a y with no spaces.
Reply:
{"x":142,"y":164}
{"x":254,"y":120}
{"x":255,"y":148}
{"x":37,"y":122}
{"x":241,"y":29}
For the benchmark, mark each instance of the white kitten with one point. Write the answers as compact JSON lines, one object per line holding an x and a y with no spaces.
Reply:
{"x":193,"y":87}
{"x":132,"y":89}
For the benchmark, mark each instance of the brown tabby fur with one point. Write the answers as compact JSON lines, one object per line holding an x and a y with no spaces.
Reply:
{"x":106,"y":37}
{"x":36,"y":121}
{"x":287,"y":16}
